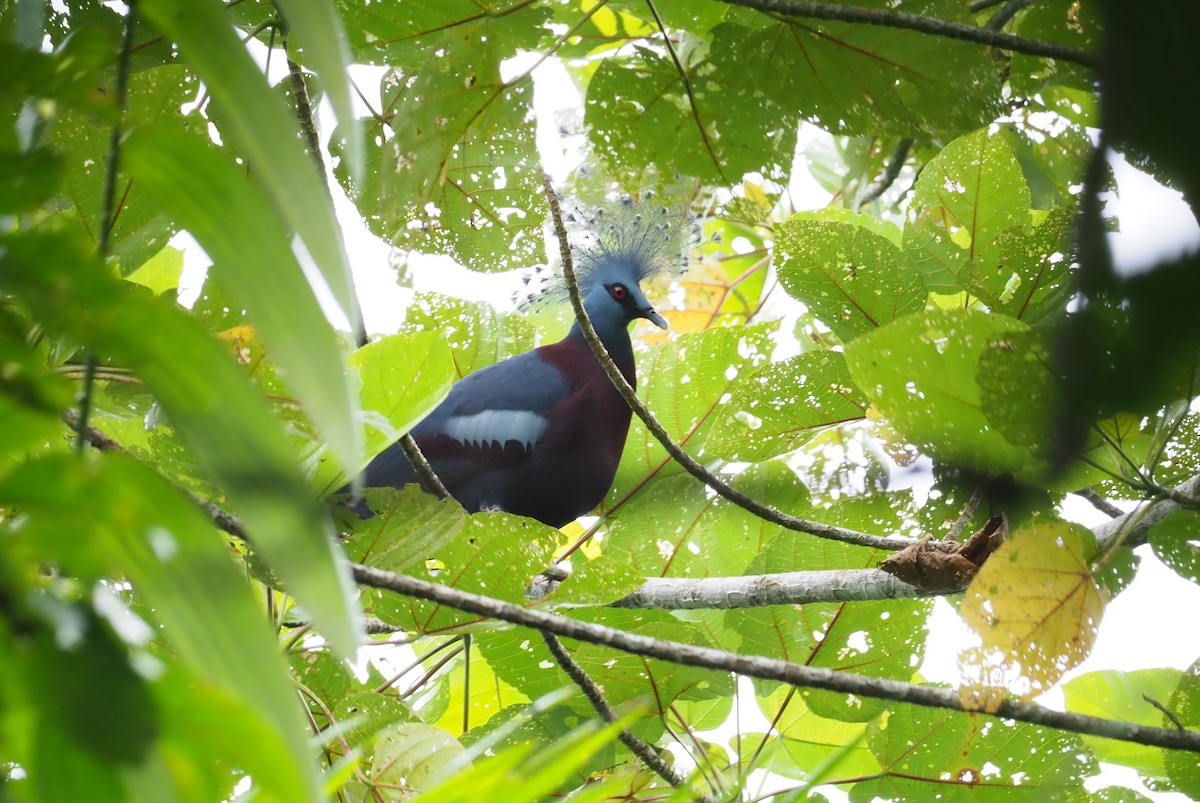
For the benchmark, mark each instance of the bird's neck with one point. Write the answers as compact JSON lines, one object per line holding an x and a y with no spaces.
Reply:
{"x":615,"y":337}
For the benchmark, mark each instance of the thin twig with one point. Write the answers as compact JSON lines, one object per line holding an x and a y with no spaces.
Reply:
{"x":1168,"y":713}
{"x":766,"y":668}
{"x":916,"y":22}
{"x":1006,"y":13}
{"x":687,"y":88}
{"x":968,"y":511}
{"x":767,"y":512}
{"x":648,"y":755}
{"x":108,"y":215}
{"x":425,"y":474}
{"x":1100,"y":503}
{"x":890,"y":174}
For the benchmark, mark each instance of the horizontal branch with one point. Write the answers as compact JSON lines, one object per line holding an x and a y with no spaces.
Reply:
{"x":1141,"y":519}
{"x":766,"y":668}
{"x":916,"y":22}
{"x":788,"y":588}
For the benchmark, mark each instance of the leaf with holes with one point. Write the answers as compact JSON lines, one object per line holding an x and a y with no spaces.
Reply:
{"x":853,"y":277}
{"x":684,"y":383}
{"x":495,"y":554}
{"x":971,"y":757}
{"x":1036,"y":606}
{"x":966,"y":197}
{"x":920,"y":372}
{"x":783,"y":406}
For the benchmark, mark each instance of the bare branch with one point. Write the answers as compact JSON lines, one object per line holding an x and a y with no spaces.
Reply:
{"x":1100,"y":503}
{"x":788,"y":588}
{"x":648,"y":755}
{"x":894,"y":166}
{"x":766,"y":668}
{"x":690,"y":464}
{"x":1140,"y":521}
{"x":425,"y":474}
{"x":915,"y":22}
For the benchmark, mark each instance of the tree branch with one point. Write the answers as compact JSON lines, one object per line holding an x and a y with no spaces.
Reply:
{"x":788,"y":588}
{"x":425,"y":474}
{"x":915,"y":22}
{"x":890,"y":174}
{"x":690,"y":464}
{"x":648,"y":755}
{"x":1100,"y":503}
{"x":1006,"y":13}
{"x":766,"y":668}
{"x":1140,"y":520}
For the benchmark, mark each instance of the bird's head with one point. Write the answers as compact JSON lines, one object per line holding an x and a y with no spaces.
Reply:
{"x":613,"y":293}
{"x":618,"y":247}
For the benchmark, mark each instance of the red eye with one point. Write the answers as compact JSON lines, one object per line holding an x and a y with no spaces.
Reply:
{"x":619,"y":292}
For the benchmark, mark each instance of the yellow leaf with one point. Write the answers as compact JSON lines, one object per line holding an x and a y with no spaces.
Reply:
{"x":1036,"y":606}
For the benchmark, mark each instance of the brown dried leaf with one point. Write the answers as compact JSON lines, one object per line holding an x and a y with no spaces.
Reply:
{"x":946,"y":567}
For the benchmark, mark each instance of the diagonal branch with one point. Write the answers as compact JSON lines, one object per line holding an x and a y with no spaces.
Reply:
{"x":687,"y":87}
{"x":689,"y":463}
{"x":916,"y":22}
{"x":591,"y":691}
{"x":767,"y":668}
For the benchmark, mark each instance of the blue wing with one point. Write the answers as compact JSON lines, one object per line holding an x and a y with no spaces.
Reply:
{"x":491,"y":421}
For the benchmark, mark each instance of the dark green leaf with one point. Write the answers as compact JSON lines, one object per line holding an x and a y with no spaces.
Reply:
{"x":849,"y":270}
{"x":111,"y":517}
{"x":225,"y":423}
{"x":260,"y":125}
{"x":248,"y":240}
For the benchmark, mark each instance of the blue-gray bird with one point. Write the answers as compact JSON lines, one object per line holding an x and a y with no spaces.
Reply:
{"x":540,"y":434}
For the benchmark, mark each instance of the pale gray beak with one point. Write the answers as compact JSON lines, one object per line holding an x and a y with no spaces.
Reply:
{"x":651,"y":315}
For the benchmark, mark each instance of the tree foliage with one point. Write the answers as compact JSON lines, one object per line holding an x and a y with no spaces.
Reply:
{"x":177,"y":618}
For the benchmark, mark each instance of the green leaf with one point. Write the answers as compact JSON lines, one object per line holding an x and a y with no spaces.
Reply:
{"x":160,"y":272}
{"x":926,"y":752}
{"x":783,"y":406}
{"x":321,"y":40}
{"x":522,"y":775}
{"x":225,"y":423}
{"x":256,"y":118}
{"x":496,"y":554}
{"x":880,"y":638}
{"x":638,"y":113}
{"x":413,"y":756}
{"x":111,"y":517}
{"x":140,"y":229}
{"x":478,"y":334}
{"x":248,"y":241}
{"x":1176,"y":542}
{"x":853,"y":78}
{"x":404,"y":377}
{"x":521,"y":659}
{"x":1183,"y":768}
{"x":706,"y":535}
{"x":920,"y":372}
{"x":27,"y":179}
{"x":852,"y":278}
{"x":1025,"y":274}
{"x":1122,"y":696}
{"x":407,"y":35}
{"x":458,"y":173}
{"x":685,"y":382}
{"x":966,"y":197}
